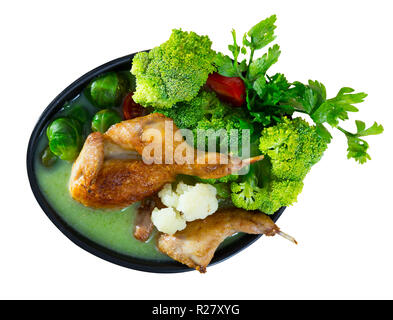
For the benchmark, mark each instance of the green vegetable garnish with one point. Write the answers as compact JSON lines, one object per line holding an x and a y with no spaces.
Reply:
{"x":263,"y":93}
{"x":291,"y":148}
{"x":206,"y":112}
{"x":357,"y":148}
{"x":104,"y":119}
{"x":174,"y":71}
{"x":311,"y":99}
{"x":246,"y":194}
{"x":270,"y":98}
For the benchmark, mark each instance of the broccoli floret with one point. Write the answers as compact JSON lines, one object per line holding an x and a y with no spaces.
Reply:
{"x":186,"y":115}
{"x":221,"y":117}
{"x":247,"y":194}
{"x":207,"y":112}
{"x":174,"y":71}
{"x":279,"y":193}
{"x":291,"y":148}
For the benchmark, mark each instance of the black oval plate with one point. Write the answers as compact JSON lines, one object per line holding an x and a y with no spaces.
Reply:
{"x":68,"y":94}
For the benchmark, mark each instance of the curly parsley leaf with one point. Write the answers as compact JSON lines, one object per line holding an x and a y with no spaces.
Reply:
{"x":234,"y":48}
{"x":224,"y":65}
{"x":319,"y":89}
{"x":373,"y":130}
{"x":268,"y":99}
{"x":261,"y":34}
{"x":305,"y":97}
{"x":260,"y":86}
{"x":269,"y":104}
{"x":227,"y":67}
{"x":275,"y":90}
{"x":323,"y":132}
{"x":337,"y":108}
{"x":312,"y":99}
{"x":357,"y":148}
{"x":259,"y":66}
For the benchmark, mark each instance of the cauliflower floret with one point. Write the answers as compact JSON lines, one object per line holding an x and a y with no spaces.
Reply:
{"x":198,"y":202}
{"x":187,"y":203}
{"x":182,"y":187}
{"x":167,"y":220}
{"x":168,"y":197}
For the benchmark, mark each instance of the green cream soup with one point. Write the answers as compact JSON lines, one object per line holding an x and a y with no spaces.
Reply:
{"x":110,"y":228}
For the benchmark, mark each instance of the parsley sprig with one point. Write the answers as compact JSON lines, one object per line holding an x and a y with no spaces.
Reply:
{"x":269,"y":98}
{"x":311,"y":99}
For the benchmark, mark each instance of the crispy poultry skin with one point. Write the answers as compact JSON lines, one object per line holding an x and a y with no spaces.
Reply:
{"x":155,"y":130}
{"x":143,"y":226}
{"x":109,"y":174}
{"x":195,"y":245}
{"x":113,"y":183}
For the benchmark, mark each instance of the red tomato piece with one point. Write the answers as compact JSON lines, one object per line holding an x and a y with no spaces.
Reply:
{"x":131,"y":109}
{"x":229,"y":89}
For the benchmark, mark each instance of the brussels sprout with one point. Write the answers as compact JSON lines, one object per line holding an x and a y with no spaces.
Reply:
{"x":65,"y":138}
{"x":80,"y":113}
{"x":104,"y":119}
{"x":76,"y":112}
{"x":108,"y":90}
{"x":47,"y":157}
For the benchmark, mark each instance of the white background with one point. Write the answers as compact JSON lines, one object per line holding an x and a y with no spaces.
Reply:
{"x":343,"y":219}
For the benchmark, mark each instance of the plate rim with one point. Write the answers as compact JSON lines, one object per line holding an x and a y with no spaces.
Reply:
{"x":135,"y":263}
